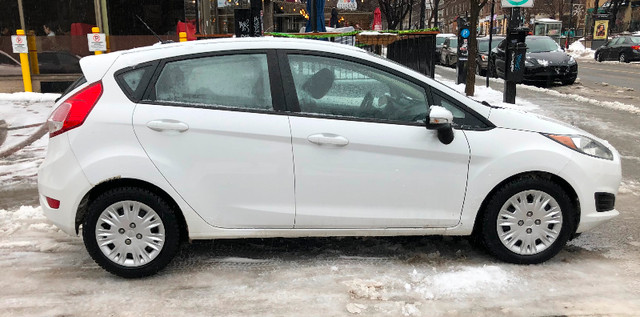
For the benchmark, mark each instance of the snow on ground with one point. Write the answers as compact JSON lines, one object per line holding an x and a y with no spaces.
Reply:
{"x":20,"y":109}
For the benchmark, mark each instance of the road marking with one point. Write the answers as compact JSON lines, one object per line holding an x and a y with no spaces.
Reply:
{"x":610,"y":70}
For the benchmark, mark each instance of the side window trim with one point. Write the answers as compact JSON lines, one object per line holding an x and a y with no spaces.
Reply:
{"x":277,"y":99}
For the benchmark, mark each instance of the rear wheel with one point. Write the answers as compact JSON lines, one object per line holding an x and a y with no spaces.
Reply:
{"x":131,"y":232}
{"x":528,"y":221}
{"x":623,"y":58}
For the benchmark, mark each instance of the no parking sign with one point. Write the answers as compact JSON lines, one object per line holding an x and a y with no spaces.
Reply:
{"x":97,"y":42}
{"x":19,"y":43}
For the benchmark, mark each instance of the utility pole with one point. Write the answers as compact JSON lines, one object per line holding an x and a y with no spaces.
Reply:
{"x":423,"y":8}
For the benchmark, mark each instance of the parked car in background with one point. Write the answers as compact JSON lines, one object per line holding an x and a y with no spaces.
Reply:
{"x":546,"y":62}
{"x":58,"y":62}
{"x":439,"y":41}
{"x":482,"y":58}
{"x":9,"y":65}
{"x":272,"y":137}
{"x":449,"y":51}
{"x":50,"y":62}
{"x":624,"y":49}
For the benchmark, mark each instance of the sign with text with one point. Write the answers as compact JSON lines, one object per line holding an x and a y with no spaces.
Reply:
{"x":97,"y":42}
{"x":517,"y":3}
{"x":19,"y":43}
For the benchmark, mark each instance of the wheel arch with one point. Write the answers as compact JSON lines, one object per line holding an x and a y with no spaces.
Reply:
{"x":568,"y":189}
{"x":130,"y":182}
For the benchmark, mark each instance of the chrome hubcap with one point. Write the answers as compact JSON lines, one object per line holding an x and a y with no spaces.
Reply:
{"x":130,"y":233}
{"x":529,"y":222}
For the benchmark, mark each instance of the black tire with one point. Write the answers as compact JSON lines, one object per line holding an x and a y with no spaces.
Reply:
{"x":149,"y":203}
{"x":599,"y":58}
{"x":569,"y":81}
{"x":623,"y":58}
{"x":529,"y":187}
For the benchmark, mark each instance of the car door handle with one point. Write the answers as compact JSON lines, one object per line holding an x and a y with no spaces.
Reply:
{"x":167,"y":125}
{"x":328,"y":139}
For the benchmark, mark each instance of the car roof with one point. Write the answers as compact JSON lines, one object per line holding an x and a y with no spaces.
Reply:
{"x":445,"y":35}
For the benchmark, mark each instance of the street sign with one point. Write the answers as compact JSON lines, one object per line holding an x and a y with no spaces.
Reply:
{"x":465,"y":33}
{"x":19,"y":43}
{"x":517,"y":3}
{"x":97,"y":42}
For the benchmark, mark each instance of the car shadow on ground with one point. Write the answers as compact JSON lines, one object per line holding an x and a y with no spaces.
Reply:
{"x":413,"y":250}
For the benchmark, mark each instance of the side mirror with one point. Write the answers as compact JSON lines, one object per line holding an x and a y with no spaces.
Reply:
{"x":440,"y":119}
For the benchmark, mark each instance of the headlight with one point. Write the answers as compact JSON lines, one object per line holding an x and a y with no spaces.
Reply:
{"x":572,"y":60}
{"x":528,"y":63}
{"x":484,"y":57}
{"x":583,"y":145}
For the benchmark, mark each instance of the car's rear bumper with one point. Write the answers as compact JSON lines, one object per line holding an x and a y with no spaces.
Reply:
{"x":60,"y":177}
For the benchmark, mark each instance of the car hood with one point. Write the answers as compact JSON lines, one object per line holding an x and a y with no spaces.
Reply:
{"x":553,"y":58}
{"x":522,"y":120}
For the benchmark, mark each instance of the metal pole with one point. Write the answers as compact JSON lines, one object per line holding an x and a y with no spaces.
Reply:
{"x":24,"y":64}
{"x":570,"y":23}
{"x":509,"y":94}
{"x":493,"y":3}
{"x":435,"y":17}
{"x":314,"y":16}
{"x":21,"y":13}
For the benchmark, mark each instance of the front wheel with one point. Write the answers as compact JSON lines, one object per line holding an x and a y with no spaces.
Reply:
{"x":528,"y":221}
{"x":131,"y":232}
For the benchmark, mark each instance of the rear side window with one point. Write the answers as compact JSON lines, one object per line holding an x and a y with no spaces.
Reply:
{"x":228,"y":81}
{"x":133,"y":80}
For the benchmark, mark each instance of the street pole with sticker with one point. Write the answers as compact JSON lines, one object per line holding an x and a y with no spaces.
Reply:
{"x":20,"y":46}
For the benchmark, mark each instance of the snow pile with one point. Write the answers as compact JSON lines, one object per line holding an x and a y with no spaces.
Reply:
{"x":492,"y":96}
{"x":28,"y":97}
{"x":25,"y":218}
{"x":577,"y":50}
{"x":466,"y":280}
{"x":629,"y":187}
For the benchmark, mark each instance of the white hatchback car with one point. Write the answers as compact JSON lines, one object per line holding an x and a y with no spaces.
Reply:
{"x":246,"y":138}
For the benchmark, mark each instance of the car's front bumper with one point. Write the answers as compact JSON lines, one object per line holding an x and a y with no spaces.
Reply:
{"x":588,"y":176}
{"x":550,"y":73}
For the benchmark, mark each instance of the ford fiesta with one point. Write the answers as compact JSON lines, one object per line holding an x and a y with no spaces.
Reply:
{"x":246,"y":138}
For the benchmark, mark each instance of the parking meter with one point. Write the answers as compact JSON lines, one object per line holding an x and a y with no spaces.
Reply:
{"x":463,"y":49}
{"x":516,"y":54}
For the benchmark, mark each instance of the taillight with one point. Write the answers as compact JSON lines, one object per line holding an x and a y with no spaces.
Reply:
{"x":635,"y":47}
{"x":73,"y":111}
{"x":53,"y":203}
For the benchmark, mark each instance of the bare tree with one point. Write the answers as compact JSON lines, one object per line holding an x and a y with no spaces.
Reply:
{"x":474,"y":7}
{"x":395,"y":11}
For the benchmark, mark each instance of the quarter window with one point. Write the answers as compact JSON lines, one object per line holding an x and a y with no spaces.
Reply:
{"x":339,"y":88}
{"x":235,"y":81}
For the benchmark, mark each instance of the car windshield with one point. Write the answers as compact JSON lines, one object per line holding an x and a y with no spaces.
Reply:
{"x":543,"y":44}
{"x":483,"y":46}
{"x":440,"y":40}
{"x":453,"y":42}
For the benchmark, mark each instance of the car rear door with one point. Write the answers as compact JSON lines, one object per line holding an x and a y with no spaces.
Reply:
{"x":212,"y":126}
{"x":362,"y":155}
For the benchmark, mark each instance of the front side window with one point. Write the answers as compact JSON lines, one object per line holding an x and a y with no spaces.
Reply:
{"x":461,"y":117}
{"x":339,"y":88}
{"x":233,"y":81}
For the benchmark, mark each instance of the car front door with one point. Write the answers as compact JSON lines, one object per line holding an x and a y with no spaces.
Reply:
{"x":209,"y":126}
{"x":362,"y":155}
